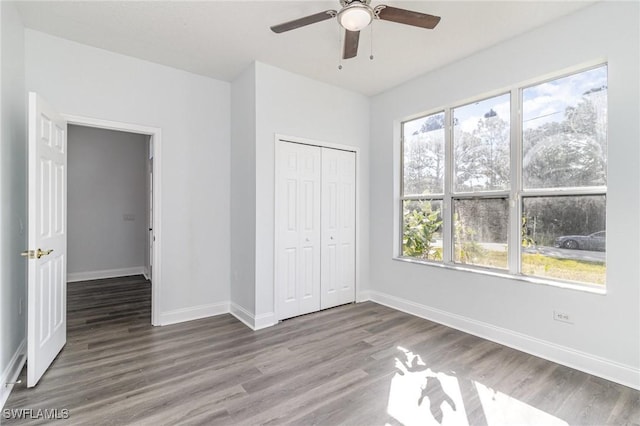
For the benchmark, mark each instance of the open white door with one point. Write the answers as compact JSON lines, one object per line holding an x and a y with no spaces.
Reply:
{"x":47,"y":254}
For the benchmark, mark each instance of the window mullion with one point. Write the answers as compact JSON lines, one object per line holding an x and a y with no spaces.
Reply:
{"x":515,"y":204}
{"x":562,"y":192}
{"x":400,"y":222}
{"x":447,"y":205}
{"x":480,"y":195}
{"x":423,"y":197}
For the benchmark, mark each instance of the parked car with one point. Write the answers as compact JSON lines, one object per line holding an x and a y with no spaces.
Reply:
{"x":595,"y":241}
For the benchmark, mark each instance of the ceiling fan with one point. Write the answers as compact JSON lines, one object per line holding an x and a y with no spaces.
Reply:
{"x":356,"y":15}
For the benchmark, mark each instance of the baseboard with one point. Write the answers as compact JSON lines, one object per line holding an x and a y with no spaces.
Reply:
{"x":107,"y":273}
{"x":242,"y":314}
{"x":12,"y":371}
{"x":607,"y":369}
{"x":363,"y":296}
{"x":197,"y":312}
{"x":194,"y":313}
{"x":265,"y":320}
{"x":254,"y":322}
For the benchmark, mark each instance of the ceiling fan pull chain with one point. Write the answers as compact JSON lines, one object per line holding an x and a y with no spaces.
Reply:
{"x":339,"y":47}
{"x":371,"y":39}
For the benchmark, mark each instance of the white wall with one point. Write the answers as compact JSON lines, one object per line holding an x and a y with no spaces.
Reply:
{"x":293,"y":105}
{"x":106,"y":184}
{"x":243,"y":193}
{"x":605,"y":336}
{"x":13,"y":238}
{"x":194,"y":115}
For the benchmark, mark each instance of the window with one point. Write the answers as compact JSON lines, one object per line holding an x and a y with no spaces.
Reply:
{"x":481,"y":182}
{"x":527,"y":198}
{"x":564,"y":151}
{"x":423,"y":170}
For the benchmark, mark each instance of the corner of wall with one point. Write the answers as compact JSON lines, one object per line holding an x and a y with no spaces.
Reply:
{"x":254,"y":322}
{"x":242,"y":194}
{"x":12,"y":371}
{"x":13,"y":189}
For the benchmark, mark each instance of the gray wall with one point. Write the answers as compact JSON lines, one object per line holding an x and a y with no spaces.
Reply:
{"x":267,"y":101}
{"x":106,"y":186}
{"x":243,"y":191}
{"x":13,"y":191}
{"x":293,"y":105}
{"x":605,"y":336}
{"x":193,"y":113}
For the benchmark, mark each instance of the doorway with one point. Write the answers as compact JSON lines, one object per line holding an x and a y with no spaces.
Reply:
{"x":108,"y":195}
{"x":47,"y":228}
{"x":146,"y":220}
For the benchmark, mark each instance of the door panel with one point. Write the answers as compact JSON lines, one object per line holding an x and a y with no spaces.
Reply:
{"x":298,"y":227}
{"x":290,"y":269}
{"x":46,"y":318}
{"x":338,"y":227}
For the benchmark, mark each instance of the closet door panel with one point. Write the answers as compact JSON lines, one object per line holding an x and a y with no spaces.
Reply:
{"x":338,"y":227}
{"x":298,"y":227}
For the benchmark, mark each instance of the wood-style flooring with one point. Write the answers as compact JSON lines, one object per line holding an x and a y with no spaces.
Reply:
{"x":361,"y":364}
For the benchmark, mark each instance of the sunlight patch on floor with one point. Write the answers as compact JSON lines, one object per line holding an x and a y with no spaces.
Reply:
{"x":501,"y":409}
{"x":420,"y":396}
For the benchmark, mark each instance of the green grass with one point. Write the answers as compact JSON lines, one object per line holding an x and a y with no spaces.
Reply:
{"x":564,"y":269}
{"x":539,"y":265}
{"x":491,"y":259}
{"x":549,"y":267}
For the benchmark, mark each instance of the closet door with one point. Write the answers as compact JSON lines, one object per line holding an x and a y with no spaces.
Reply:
{"x":338,"y":227}
{"x":298,"y":227}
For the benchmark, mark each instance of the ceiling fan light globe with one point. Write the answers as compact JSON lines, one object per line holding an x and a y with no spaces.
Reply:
{"x":355,"y":17}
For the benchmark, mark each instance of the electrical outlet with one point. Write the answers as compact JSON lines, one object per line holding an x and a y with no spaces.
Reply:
{"x":562,"y":317}
{"x":128,"y":217}
{"x":20,"y":306}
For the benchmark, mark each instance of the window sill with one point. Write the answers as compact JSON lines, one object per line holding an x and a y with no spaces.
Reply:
{"x":588,"y":288}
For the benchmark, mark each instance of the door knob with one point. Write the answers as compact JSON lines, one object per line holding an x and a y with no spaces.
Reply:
{"x":41,"y":253}
{"x":35,"y":254}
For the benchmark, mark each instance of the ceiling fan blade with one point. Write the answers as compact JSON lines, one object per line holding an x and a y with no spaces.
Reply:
{"x":408,"y":17}
{"x":351,"y":39}
{"x":301,"y":22}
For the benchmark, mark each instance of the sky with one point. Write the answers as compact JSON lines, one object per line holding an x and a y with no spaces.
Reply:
{"x":542,"y":103}
{"x":547,"y":101}
{"x":469,"y":115}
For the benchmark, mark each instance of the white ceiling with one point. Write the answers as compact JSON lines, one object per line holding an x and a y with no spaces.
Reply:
{"x":221,"y":38}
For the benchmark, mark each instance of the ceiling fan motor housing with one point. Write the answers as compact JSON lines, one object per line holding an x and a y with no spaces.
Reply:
{"x":355,"y":14}
{"x":348,"y":2}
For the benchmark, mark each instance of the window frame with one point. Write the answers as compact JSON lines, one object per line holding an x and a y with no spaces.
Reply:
{"x":515,"y":195}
